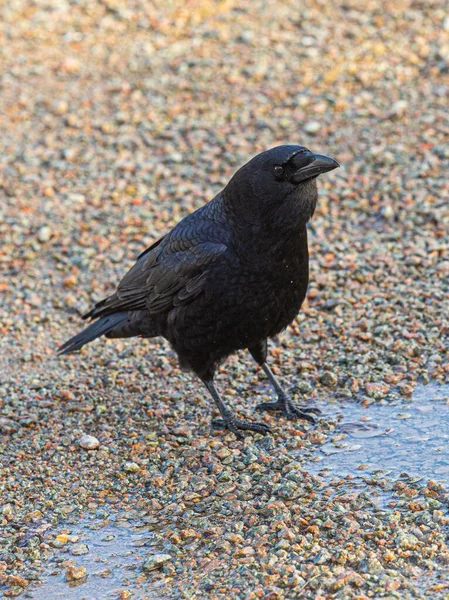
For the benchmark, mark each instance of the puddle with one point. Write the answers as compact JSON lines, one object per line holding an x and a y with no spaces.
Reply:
{"x":400,"y":438}
{"x":113,"y":562}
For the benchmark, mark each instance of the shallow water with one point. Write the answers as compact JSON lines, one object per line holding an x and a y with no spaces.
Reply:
{"x":411,"y":437}
{"x":114,"y":563}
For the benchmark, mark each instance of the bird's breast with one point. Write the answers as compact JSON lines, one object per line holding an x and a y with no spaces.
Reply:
{"x":282,"y":275}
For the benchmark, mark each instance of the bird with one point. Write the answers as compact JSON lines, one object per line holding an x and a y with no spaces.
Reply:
{"x":229,"y":276}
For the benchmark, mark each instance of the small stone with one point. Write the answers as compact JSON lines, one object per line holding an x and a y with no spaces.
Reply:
{"x":407,"y":541}
{"x":89,"y":442}
{"x":405,"y":389}
{"x":156,"y":561}
{"x":329,"y":379}
{"x":443,"y":52}
{"x":246,"y":551}
{"x":14,"y":591}
{"x":312,"y":127}
{"x":8,"y":425}
{"x":62,"y":539}
{"x":437,"y":516}
{"x":176,"y":157}
{"x":44,"y":234}
{"x":61,"y":107}
{"x":282,"y":545}
{"x":308,"y":41}
{"x":303,"y":387}
{"x":71,"y":65}
{"x":77,"y":197}
{"x":399,"y":109}
{"x":446,"y":24}
{"x":131,"y":467}
{"x":289,"y":490}
{"x":302,"y":100}
{"x":79,"y":550}
{"x":49,"y":192}
{"x":224,"y":488}
{"x":74,"y":573}
{"x":377,"y":390}
{"x":108,"y":127}
{"x":285,"y":123}
{"x":323,"y":557}
{"x":388,"y":212}
{"x":247,"y":36}
{"x":7,"y":511}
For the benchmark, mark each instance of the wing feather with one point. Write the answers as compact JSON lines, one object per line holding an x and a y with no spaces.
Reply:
{"x":172,"y":272}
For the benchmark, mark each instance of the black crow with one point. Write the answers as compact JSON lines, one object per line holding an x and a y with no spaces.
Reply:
{"x":228,"y":276}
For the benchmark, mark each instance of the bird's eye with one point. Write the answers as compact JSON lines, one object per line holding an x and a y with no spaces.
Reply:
{"x":278,"y":170}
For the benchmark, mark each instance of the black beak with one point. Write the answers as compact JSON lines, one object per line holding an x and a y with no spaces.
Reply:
{"x":317,"y":164}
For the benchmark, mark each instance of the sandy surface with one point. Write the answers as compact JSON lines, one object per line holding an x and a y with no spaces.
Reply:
{"x":118,"y":119}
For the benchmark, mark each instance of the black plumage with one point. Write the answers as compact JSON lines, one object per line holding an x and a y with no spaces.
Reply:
{"x":228,"y":276}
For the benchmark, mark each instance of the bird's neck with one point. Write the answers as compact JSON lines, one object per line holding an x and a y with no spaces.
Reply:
{"x":257,"y":236}
{"x":286,"y":217}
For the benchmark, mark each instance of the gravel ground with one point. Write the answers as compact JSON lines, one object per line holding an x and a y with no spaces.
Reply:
{"x":118,"y":119}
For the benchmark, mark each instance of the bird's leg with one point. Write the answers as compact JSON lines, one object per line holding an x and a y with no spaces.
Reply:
{"x":228,"y":420}
{"x":283,"y":404}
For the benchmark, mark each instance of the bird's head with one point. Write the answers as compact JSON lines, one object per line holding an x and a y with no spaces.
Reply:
{"x":282,"y":180}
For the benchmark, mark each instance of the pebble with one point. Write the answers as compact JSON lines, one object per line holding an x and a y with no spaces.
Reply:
{"x":156,"y":561}
{"x":388,"y":211}
{"x":399,"y":109}
{"x":407,"y":541}
{"x":89,"y":442}
{"x":79,"y":549}
{"x":74,"y":573}
{"x":77,"y":198}
{"x":44,"y":234}
{"x":131,"y":467}
{"x":329,"y":379}
{"x":312,"y":127}
{"x":71,"y":65}
{"x":62,"y":539}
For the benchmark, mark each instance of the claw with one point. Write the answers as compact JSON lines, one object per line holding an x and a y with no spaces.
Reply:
{"x":269,"y":406}
{"x":289,"y":410}
{"x":236,"y":426}
{"x":296,"y":413}
{"x":313,"y":410}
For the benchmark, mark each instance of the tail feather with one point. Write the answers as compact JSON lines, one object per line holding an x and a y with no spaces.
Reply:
{"x":96,"y":311}
{"x":101,"y":327}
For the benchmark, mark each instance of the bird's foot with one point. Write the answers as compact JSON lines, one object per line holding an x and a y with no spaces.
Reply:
{"x":285,"y":406}
{"x":237,"y":427}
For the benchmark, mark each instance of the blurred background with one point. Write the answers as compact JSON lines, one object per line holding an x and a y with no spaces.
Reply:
{"x":118,"y":118}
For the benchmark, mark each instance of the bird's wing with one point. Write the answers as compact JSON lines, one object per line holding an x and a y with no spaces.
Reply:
{"x":173,"y":277}
{"x":171,"y":273}
{"x":152,"y":247}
